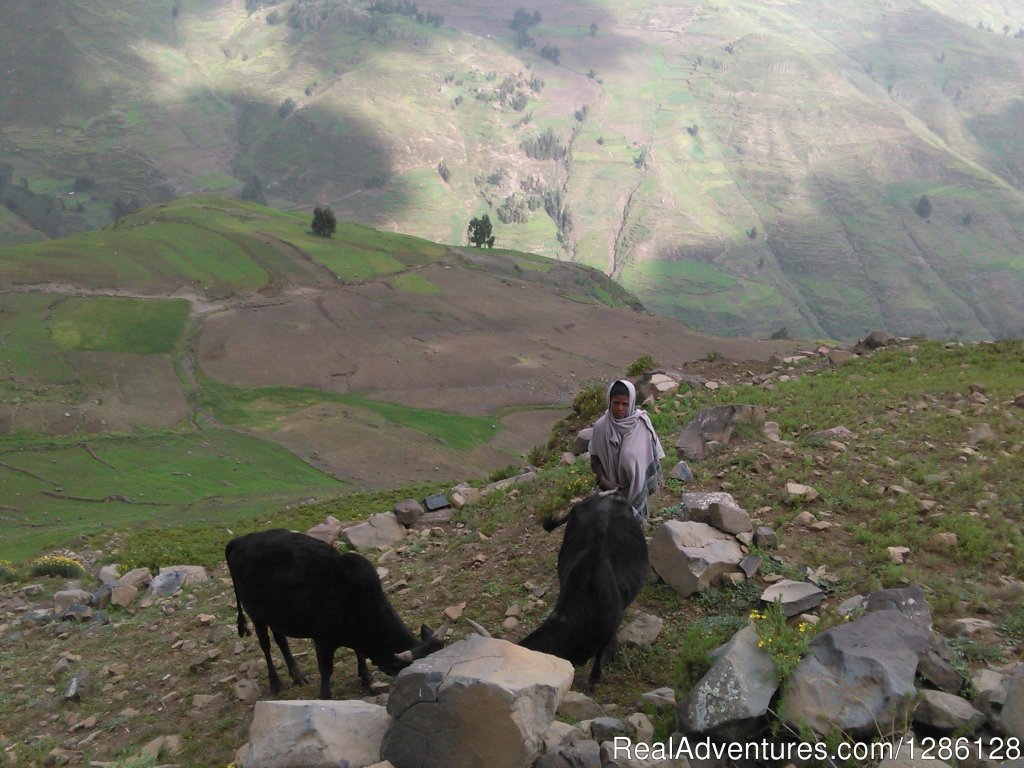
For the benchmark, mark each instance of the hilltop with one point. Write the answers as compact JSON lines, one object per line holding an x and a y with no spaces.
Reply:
{"x":909,"y":442}
{"x":213,"y":359}
{"x":748,"y":169}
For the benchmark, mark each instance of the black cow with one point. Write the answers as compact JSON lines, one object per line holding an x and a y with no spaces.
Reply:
{"x":298,"y":586}
{"x":602,"y":566}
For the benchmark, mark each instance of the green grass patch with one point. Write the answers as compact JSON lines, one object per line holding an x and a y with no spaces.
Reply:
{"x":264,"y":407}
{"x":108,"y":324}
{"x":55,"y":491}
{"x":410,"y":282}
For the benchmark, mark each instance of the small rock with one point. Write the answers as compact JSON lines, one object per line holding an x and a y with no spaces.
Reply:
{"x":943,"y":540}
{"x":795,"y":596}
{"x":969,"y":626}
{"x":577,"y":706}
{"x":897,"y":554}
{"x":765,"y":537}
{"x":805,"y":518}
{"x":641,"y":632}
{"x":798,"y":492}
{"x":661,"y":698}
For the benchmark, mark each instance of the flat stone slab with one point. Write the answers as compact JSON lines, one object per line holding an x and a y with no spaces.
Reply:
{"x":795,"y":596}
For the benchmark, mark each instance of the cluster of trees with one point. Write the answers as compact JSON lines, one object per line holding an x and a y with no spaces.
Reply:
{"x":523,"y":19}
{"x":254,"y":191}
{"x":324,"y":222}
{"x":1018,"y":35}
{"x":480,"y":231}
{"x":521,"y":24}
{"x":552,"y":53}
{"x":308,"y":15}
{"x":544,"y":146}
{"x":406,"y":8}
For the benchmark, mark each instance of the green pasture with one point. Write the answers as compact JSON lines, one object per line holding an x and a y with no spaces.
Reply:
{"x":211,"y":477}
{"x":410,"y":282}
{"x":108,"y":324}
{"x":28,"y":351}
{"x":38,"y":329}
{"x":159,"y":254}
{"x":263,"y":408}
{"x":216,"y":245}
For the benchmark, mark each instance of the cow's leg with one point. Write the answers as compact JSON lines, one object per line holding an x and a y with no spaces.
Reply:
{"x":325,"y":663}
{"x":293,"y":666}
{"x":264,"y":637}
{"x":364,"y":671}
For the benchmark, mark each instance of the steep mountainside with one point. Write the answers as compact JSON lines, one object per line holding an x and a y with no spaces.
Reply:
{"x":819,"y":168}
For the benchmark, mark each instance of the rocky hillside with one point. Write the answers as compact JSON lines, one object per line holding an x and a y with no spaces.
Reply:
{"x":799,"y":169}
{"x":913,"y":483}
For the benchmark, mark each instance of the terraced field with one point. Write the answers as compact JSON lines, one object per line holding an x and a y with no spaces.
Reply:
{"x":212,"y":359}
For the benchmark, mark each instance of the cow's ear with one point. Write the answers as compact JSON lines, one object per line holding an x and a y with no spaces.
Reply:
{"x":425,"y":632}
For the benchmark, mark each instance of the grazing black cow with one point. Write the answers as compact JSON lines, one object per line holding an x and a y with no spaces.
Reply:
{"x":298,"y":586}
{"x":602,"y":565}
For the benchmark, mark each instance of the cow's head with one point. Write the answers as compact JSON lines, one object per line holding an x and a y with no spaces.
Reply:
{"x":430,"y":641}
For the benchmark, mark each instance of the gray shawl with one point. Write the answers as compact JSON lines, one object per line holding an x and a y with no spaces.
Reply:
{"x":629,"y":451}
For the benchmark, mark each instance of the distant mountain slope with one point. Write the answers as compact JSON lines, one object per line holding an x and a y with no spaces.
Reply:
{"x":818,"y":169}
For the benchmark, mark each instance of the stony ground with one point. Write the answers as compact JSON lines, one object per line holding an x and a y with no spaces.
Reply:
{"x":177,"y":668}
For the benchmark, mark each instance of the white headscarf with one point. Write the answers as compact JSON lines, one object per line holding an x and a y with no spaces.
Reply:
{"x":629,"y":450}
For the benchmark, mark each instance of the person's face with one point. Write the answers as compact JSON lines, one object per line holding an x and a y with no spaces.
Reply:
{"x":619,"y":406}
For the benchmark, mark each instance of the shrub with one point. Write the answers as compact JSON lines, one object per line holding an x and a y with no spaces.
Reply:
{"x":785,"y":643}
{"x":641,"y":365}
{"x":544,"y":146}
{"x":7,"y":572}
{"x":923,"y":208}
{"x":56,"y":565}
{"x":552,"y":53}
{"x":590,"y":403}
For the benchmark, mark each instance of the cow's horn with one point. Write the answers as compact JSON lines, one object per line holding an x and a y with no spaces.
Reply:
{"x":478,"y":629}
{"x":405,"y":657}
{"x":442,"y":631}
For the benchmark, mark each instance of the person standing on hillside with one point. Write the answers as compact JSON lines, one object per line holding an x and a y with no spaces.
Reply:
{"x":625,"y":452}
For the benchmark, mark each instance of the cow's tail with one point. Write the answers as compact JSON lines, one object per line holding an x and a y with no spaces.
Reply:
{"x":243,"y":627}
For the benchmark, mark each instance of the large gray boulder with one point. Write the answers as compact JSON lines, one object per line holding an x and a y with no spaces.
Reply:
{"x":858,"y":678}
{"x":583,"y":754}
{"x":690,"y":557}
{"x":1011,"y":721}
{"x":735,"y":693}
{"x":715,"y":425}
{"x":696,"y":505}
{"x":327,"y":531}
{"x":480,"y":701}
{"x":314,"y":734}
{"x":380,"y":531}
{"x":626,"y":754}
{"x":910,"y":601}
{"x":947,"y":713}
